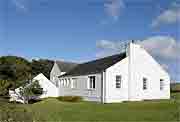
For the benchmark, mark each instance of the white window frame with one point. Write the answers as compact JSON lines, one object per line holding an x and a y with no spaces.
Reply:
{"x":61,"y":80}
{"x":64,"y":82}
{"x":145,"y":84}
{"x":91,"y":84}
{"x":73,"y":83}
{"x":118,"y":81}
{"x":67,"y":82}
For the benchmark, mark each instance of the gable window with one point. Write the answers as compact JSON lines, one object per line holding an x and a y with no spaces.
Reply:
{"x":144,"y":83}
{"x":118,"y":81}
{"x":161,"y":84}
{"x":91,"y":84}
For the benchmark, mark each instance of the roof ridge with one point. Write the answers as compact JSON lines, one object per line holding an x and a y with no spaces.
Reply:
{"x":95,"y":66}
{"x":103,"y":58}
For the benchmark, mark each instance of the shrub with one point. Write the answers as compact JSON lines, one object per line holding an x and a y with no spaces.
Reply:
{"x":70,"y":98}
{"x":30,"y":91}
{"x":175,"y":87}
{"x":4,"y":87}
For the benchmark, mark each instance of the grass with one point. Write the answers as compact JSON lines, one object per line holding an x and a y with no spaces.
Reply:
{"x":53,"y":110}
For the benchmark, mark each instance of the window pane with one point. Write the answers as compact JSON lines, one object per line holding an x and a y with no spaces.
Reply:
{"x":161,"y":84}
{"x":92,"y":82}
{"x":118,"y":81}
{"x":144,"y":83}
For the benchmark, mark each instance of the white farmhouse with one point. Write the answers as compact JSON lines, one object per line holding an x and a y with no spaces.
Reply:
{"x":130,"y":76}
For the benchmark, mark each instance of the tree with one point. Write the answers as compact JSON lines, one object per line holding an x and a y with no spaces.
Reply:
{"x":29,"y":91}
{"x":41,"y":66}
{"x":4,"y":87}
{"x":15,"y":69}
{"x":18,"y":70}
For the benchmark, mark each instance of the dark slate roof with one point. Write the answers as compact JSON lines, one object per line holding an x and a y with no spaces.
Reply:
{"x":95,"y":66}
{"x":65,"y":66}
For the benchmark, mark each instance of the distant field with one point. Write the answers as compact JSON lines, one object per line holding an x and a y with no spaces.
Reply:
{"x":53,"y":110}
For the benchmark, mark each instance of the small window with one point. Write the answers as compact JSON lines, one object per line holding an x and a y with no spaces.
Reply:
{"x":73,"y":83}
{"x":69,"y":82}
{"x":65,"y":81}
{"x":92,"y":82}
{"x":144,"y":83}
{"x":118,"y":81}
{"x":61,"y":82}
{"x":161,"y":84}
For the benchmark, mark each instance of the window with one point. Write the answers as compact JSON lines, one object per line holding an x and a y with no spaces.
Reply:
{"x":61,"y":82}
{"x":91,"y":80}
{"x":118,"y":81}
{"x":67,"y":82}
{"x":57,"y":83}
{"x":161,"y":84}
{"x":74,"y":83}
{"x":144,"y":83}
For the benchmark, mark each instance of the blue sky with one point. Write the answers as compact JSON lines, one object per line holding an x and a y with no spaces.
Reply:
{"x":82,"y":30}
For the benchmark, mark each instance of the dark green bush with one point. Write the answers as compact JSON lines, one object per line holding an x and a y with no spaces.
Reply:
{"x":70,"y":98}
{"x":175,"y":87}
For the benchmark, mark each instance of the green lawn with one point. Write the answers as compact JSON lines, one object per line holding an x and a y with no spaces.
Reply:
{"x":53,"y":110}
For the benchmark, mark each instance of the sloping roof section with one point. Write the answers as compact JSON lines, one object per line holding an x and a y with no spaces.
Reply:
{"x":95,"y":66}
{"x":65,"y":66}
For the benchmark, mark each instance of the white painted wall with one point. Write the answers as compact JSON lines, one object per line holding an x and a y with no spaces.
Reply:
{"x":82,"y":88}
{"x":142,"y":64}
{"x":133,"y":68}
{"x":50,"y":90}
{"x":55,"y":72}
{"x":113,"y":94}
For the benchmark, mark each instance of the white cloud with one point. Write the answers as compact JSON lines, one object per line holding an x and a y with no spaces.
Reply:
{"x":165,"y":66}
{"x":176,"y":4}
{"x":20,"y":4}
{"x":109,"y":47}
{"x":113,"y":8}
{"x":105,"y":44}
{"x":162,"y":46}
{"x":169,"y":16}
{"x":165,"y":49}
